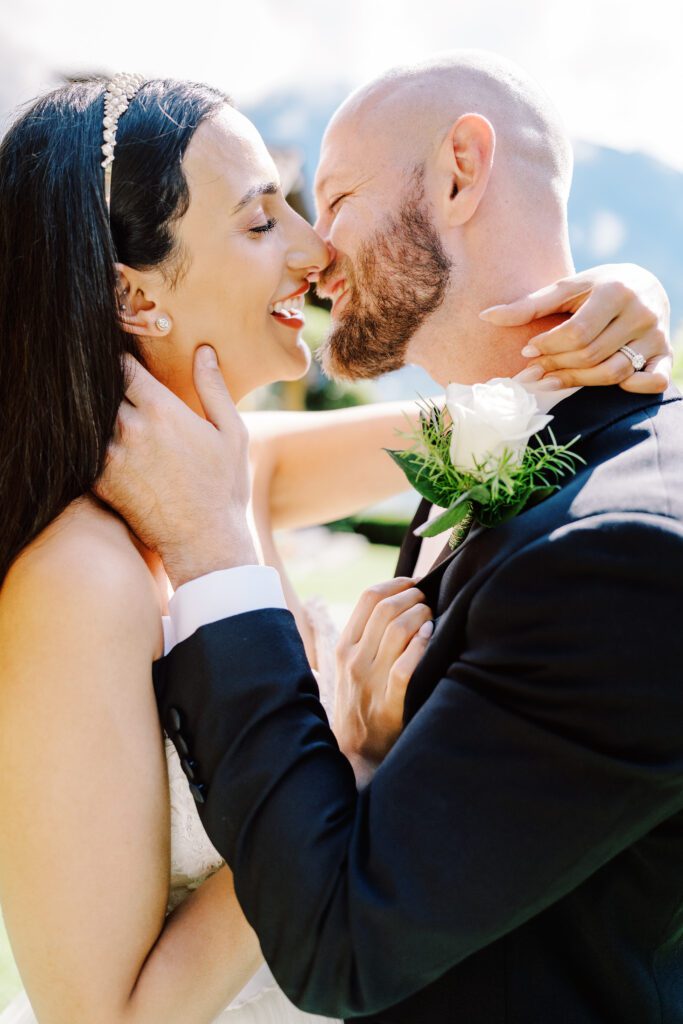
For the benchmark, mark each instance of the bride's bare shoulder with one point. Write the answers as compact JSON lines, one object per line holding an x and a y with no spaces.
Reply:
{"x":85,"y":559}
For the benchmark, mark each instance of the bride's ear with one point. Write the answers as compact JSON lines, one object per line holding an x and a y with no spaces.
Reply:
{"x":139,"y":311}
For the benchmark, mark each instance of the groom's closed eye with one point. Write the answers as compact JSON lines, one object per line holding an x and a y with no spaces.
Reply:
{"x":336,"y":201}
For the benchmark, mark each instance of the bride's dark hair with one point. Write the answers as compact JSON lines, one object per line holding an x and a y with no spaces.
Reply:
{"x":61,"y":343}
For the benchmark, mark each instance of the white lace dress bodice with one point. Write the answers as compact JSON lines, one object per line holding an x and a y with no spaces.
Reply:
{"x":194,"y":859}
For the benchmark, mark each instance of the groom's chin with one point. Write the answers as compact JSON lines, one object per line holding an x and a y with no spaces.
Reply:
{"x":341,"y":364}
{"x":328,"y":358}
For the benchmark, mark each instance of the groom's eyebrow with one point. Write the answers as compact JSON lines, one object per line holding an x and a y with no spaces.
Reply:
{"x":267,"y":188}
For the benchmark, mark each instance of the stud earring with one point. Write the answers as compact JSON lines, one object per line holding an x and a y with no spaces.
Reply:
{"x":162,"y":324}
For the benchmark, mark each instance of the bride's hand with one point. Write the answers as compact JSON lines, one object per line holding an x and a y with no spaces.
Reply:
{"x":377,"y":654}
{"x":612,"y":306}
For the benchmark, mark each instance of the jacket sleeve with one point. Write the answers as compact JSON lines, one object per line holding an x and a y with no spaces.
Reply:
{"x":554,"y":742}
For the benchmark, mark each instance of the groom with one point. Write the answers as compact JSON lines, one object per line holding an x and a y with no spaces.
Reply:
{"x":518,"y":856}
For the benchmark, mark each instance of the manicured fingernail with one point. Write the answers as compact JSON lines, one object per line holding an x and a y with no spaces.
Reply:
{"x":530,"y":351}
{"x":491,"y":309}
{"x":531,"y":374}
{"x":207,"y":356}
{"x":426,"y":630}
{"x":551,"y":384}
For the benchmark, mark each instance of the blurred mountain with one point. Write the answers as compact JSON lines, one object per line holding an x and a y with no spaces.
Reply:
{"x":624,"y":207}
{"x":627,"y":207}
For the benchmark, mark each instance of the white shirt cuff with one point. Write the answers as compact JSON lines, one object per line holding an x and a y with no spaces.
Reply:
{"x":218,"y":595}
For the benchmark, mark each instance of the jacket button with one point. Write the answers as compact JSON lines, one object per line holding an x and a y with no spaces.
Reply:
{"x":181,"y":745}
{"x":174,"y":719}
{"x":189,"y":767}
{"x":198,"y":789}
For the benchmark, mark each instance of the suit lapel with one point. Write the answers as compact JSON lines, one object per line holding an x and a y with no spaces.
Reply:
{"x":410,"y":548}
{"x":583,"y":413}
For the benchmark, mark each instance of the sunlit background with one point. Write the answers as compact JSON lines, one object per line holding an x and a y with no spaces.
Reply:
{"x":613,"y":67}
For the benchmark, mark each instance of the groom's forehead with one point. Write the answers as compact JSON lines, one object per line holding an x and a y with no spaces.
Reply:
{"x":351,"y":151}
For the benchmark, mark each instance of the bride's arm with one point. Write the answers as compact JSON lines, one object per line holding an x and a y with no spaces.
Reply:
{"x":84,"y":848}
{"x":321,"y":466}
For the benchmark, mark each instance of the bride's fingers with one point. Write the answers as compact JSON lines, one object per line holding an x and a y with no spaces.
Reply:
{"x":561,"y":297}
{"x":653,"y":380}
{"x":367,"y":603}
{"x":382,"y":621}
{"x":399,"y":634}
{"x":589,"y":324}
{"x":601,"y":349}
{"x":615,"y":370}
{"x":404,"y":668}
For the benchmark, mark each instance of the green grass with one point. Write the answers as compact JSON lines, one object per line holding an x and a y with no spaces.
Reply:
{"x":347,"y":581}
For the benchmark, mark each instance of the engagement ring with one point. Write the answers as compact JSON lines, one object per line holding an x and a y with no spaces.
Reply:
{"x":637,"y":360}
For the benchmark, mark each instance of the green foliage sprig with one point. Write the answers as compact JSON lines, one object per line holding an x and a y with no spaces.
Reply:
{"x":497,"y":491}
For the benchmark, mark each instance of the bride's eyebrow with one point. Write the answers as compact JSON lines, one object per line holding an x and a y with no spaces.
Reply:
{"x":268,"y":188}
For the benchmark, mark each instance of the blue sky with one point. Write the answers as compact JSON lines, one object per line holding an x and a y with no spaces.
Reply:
{"x":614,"y":67}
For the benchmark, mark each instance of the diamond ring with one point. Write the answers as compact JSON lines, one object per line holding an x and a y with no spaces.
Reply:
{"x":637,"y":360}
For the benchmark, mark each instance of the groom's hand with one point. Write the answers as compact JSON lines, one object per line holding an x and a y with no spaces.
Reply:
{"x":181,"y":482}
{"x":377,"y":654}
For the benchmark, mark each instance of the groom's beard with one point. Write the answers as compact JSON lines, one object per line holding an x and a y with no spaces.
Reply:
{"x":399,"y":277}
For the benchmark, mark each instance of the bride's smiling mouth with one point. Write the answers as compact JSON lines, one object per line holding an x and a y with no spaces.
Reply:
{"x":289,"y":312}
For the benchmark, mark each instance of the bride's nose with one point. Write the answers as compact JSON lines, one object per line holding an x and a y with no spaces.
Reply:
{"x":310,"y":252}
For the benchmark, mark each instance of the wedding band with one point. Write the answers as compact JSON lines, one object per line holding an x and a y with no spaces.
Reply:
{"x":637,"y":360}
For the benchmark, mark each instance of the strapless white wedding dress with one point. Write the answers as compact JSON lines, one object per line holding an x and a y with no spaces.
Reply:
{"x":194,"y":859}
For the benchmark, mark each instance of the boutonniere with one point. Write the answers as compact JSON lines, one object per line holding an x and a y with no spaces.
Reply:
{"x":472,"y":458}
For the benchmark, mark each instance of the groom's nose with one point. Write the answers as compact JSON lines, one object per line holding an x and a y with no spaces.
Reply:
{"x":323,"y":225}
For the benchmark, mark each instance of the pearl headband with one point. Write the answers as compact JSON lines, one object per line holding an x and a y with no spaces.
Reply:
{"x":120,"y":91}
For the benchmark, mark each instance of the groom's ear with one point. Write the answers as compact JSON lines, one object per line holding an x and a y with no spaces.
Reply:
{"x":140,"y":308}
{"x":464,"y":162}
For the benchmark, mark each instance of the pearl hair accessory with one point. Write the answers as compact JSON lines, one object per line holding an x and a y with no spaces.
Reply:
{"x":120,"y":91}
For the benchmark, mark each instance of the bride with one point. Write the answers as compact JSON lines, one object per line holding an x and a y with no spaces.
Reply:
{"x":117,"y":907}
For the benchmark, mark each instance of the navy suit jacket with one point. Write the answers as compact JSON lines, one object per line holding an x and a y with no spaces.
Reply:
{"x":518,"y":857}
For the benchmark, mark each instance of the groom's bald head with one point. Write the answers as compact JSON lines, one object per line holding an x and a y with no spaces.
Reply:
{"x":425,"y":176}
{"x":408,"y":111}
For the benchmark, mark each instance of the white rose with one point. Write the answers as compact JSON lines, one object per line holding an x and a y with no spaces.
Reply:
{"x":490,"y":418}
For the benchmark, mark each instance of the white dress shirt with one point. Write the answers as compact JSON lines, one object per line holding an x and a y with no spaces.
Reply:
{"x":217,"y":596}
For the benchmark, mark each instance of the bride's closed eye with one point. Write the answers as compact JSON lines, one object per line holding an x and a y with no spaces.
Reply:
{"x":261,"y":229}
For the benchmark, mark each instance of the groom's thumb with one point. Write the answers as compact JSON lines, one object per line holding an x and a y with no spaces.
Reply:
{"x":216,"y":402}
